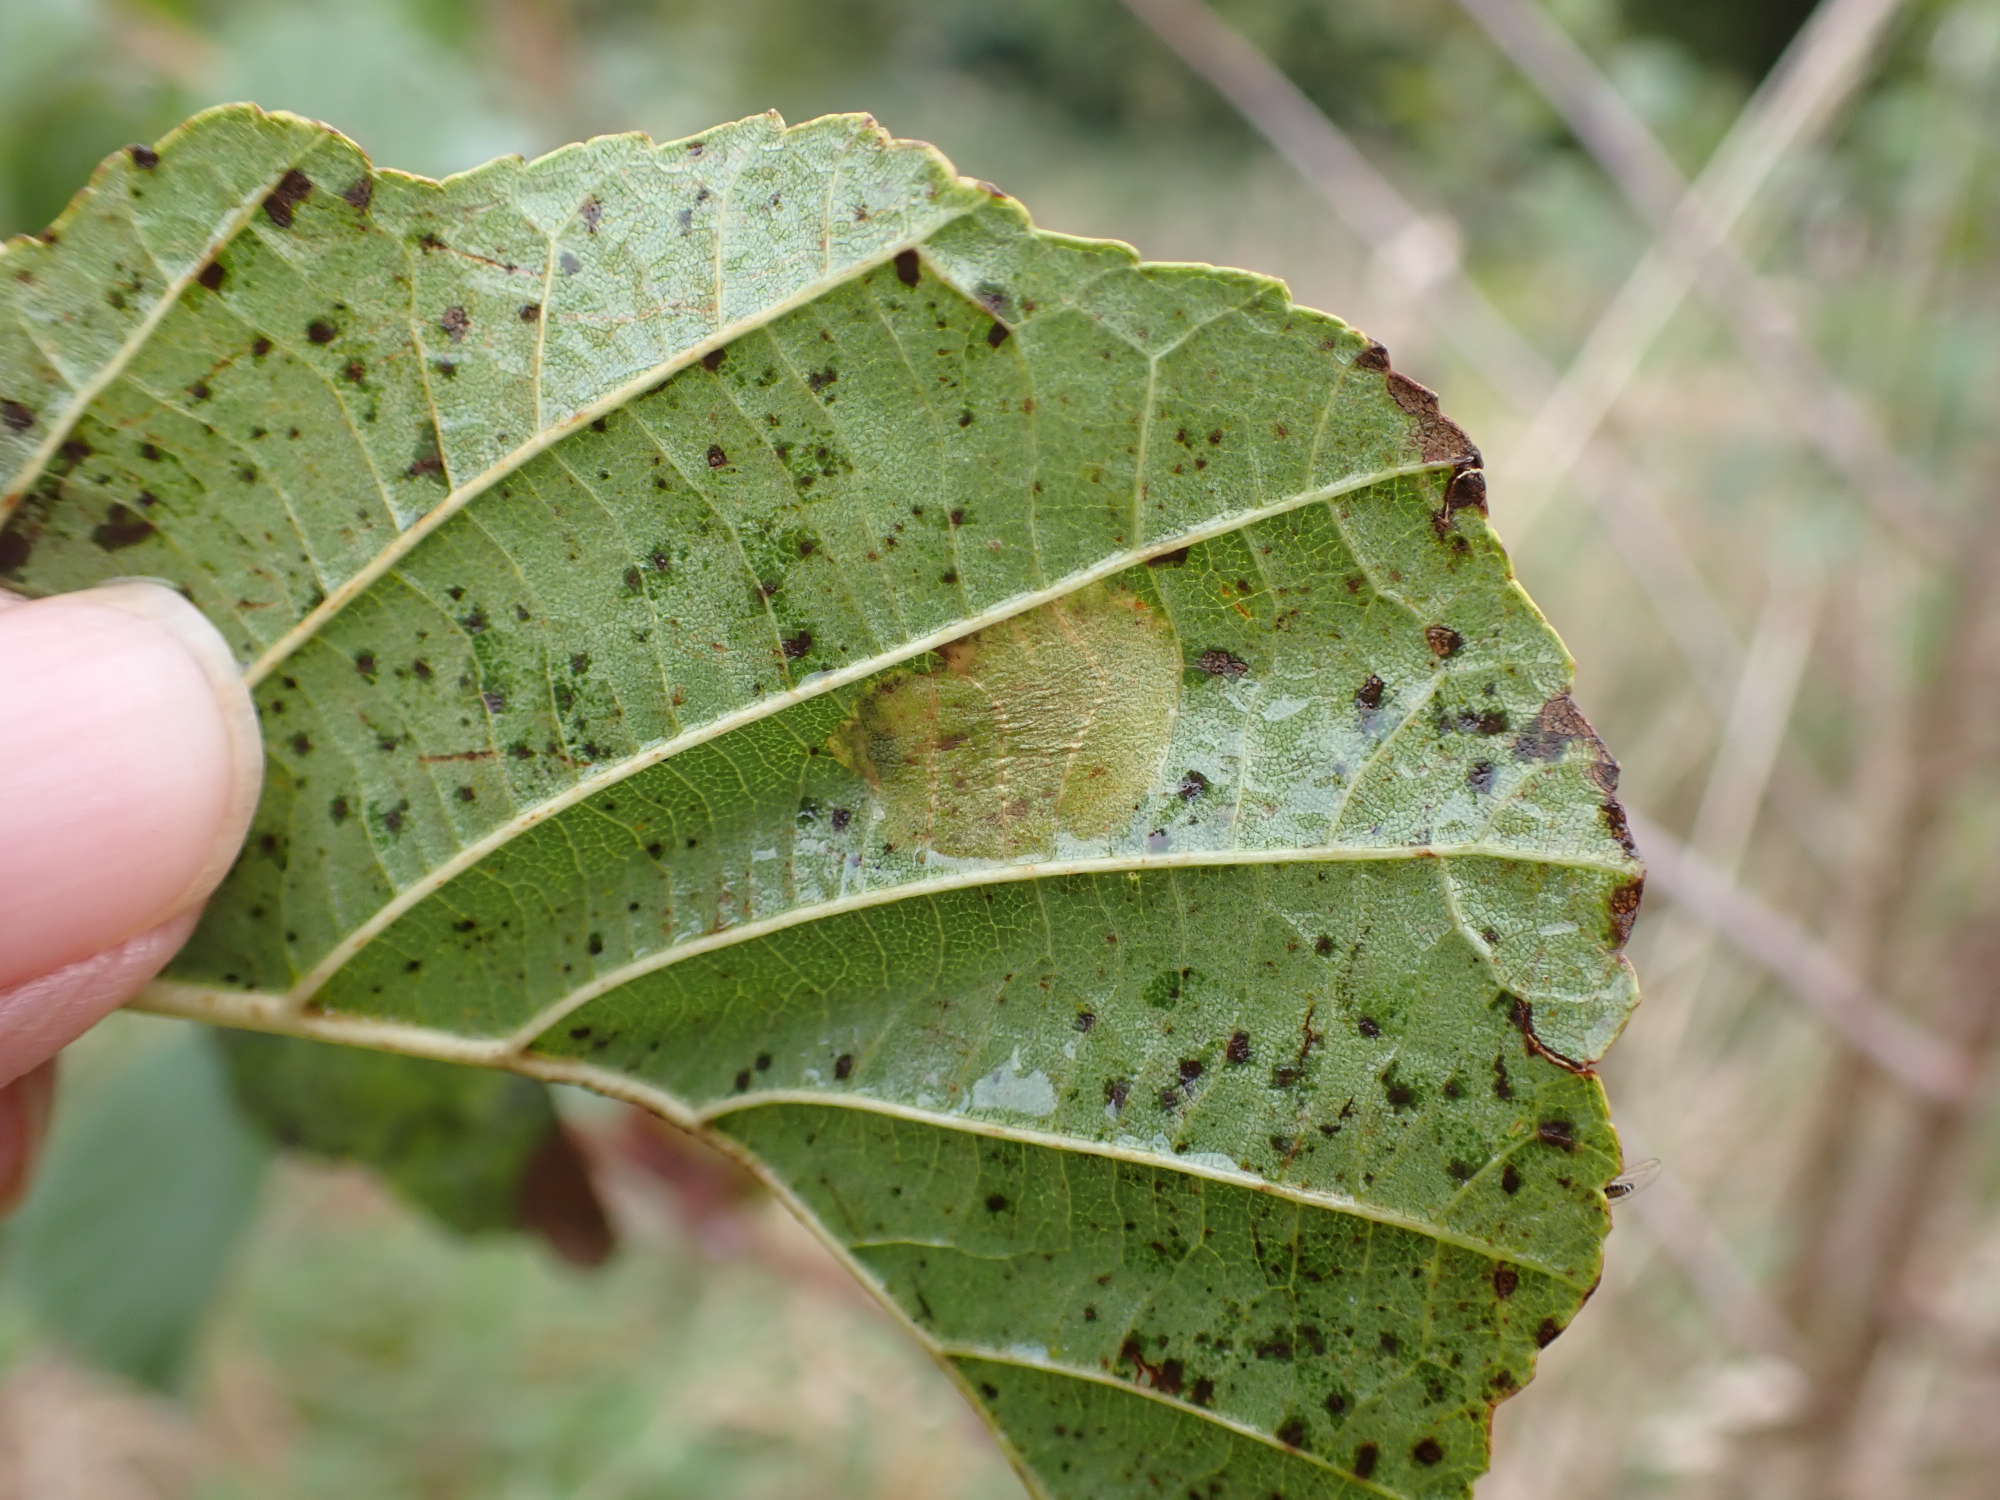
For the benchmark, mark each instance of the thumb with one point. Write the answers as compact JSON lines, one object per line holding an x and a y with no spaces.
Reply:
{"x":129,"y":767}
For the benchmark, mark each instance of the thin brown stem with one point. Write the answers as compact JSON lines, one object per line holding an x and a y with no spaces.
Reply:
{"x":1837,"y":422}
{"x":1923,"y":1063}
{"x":1898,"y":1194}
{"x":1818,"y":72}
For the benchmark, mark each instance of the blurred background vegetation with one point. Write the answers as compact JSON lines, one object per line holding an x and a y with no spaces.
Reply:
{"x":1742,"y":442}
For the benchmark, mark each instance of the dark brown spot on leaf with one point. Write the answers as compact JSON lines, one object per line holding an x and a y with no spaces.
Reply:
{"x":1560,"y":722}
{"x":1625,"y":909}
{"x":121,"y":528}
{"x":292,"y":189}
{"x":1439,"y":439}
{"x":1467,"y":488}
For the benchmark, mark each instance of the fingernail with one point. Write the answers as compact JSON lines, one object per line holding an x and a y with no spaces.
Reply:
{"x":130,"y":764}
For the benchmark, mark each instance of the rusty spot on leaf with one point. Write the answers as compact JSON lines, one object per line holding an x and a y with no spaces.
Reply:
{"x":292,"y":190}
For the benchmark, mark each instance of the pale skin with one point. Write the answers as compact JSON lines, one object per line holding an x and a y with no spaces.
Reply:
{"x":129,"y":767}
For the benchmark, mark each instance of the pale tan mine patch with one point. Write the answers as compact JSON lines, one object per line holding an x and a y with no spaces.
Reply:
{"x":1052,"y":722}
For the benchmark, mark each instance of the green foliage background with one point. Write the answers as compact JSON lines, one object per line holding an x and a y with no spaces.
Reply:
{"x":352,"y":1350}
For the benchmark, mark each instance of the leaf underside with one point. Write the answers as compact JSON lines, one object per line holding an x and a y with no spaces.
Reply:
{"x":1042,"y":753}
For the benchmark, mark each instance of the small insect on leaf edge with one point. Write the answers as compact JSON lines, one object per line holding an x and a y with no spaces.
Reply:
{"x":1636,"y":1179}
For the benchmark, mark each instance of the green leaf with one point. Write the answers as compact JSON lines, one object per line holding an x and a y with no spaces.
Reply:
{"x":480,"y":1151}
{"x":1040,"y":753}
{"x":150,"y":1180}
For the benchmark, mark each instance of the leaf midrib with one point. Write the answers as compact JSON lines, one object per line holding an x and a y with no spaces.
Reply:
{"x":1111,"y":864}
{"x":601,"y":778}
{"x":944,"y":1349}
{"x":264,"y":1012}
